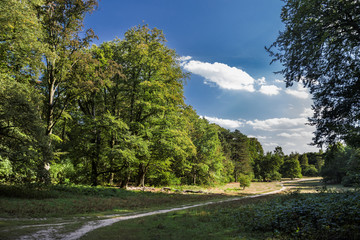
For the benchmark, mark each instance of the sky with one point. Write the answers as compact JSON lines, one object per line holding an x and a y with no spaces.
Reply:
{"x":221,"y":43}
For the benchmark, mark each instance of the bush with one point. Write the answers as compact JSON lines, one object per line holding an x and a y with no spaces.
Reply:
{"x":244,"y":180}
{"x":301,"y":216}
{"x":311,"y":171}
{"x":352,"y":180}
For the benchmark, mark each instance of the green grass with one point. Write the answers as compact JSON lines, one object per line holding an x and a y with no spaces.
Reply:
{"x":75,"y":205}
{"x":210,"y":222}
{"x":64,"y":201}
{"x":321,"y":214}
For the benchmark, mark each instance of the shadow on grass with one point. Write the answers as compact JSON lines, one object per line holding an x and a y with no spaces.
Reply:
{"x":62,"y":201}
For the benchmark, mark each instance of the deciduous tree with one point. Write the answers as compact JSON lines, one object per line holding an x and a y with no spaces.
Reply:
{"x":320,"y":48}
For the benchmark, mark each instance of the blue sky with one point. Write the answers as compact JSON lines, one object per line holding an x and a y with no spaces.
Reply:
{"x":221,"y":42}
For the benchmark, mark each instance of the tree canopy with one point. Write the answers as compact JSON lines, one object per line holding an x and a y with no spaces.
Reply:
{"x":109,"y":114}
{"x":320,"y":48}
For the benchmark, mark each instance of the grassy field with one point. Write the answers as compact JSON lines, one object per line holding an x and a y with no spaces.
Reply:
{"x":35,"y":201}
{"x":28,"y":209}
{"x":244,"y":219}
{"x":31,"y":209}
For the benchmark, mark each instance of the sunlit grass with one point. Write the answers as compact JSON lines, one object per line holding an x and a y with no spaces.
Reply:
{"x":229,"y":220}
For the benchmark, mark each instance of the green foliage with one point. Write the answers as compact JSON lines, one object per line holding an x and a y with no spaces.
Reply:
{"x":310,"y":171}
{"x":267,"y":167}
{"x":342,"y":165}
{"x":20,"y":50}
{"x":244,"y":181}
{"x":108,"y":114}
{"x":291,"y":167}
{"x":62,"y":172}
{"x":320,"y":47}
{"x":300,"y":216}
{"x":5,"y":169}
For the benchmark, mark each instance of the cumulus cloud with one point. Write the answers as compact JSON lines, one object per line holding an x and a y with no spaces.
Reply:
{"x":290,"y":133}
{"x":225,"y":123}
{"x":224,"y":76}
{"x":295,"y":134}
{"x":299,"y":92}
{"x":274,"y":124}
{"x":269,"y":90}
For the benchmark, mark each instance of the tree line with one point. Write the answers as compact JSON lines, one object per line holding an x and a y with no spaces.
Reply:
{"x":115,"y":113}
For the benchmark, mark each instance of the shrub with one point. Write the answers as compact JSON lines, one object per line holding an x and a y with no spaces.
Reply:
{"x":310,"y":171}
{"x":301,"y":216}
{"x":244,"y":180}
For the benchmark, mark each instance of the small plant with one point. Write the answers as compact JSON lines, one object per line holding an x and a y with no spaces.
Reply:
{"x":244,"y":181}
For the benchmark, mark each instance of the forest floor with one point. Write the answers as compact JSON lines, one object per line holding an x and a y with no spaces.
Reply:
{"x":70,"y":227}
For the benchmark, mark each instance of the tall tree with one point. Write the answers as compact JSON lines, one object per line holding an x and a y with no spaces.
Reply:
{"x":291,"y":167}
{"x":320,"y":47}
{"x":21,"y":136}
{"x":152,"y":92}
{"x":62,"y":22}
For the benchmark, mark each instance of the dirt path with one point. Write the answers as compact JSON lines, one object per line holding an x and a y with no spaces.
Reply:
{"x":54,"y":231}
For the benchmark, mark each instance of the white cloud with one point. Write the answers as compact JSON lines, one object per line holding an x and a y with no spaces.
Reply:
{"x":296,"y":134}
{"x":224,"y":76}
{"x":270,"y":144}
{"x":274,"y":124}
{"x":270,"y":90}
{"x":289,"y":144}
{"x":185,"y":58}
{"x":300,"y":92}
{"x":261,"y":81}
{"x":225,"y":123}
{"x":292,"y":134}
{"x":308,"y":112}
{"x":279,"y":81}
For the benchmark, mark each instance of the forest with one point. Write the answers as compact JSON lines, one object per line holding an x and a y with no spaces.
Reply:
{"x":112,"y":114}
{"x":80,"y":123}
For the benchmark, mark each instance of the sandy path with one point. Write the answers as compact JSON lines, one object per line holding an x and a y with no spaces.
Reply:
{"x":52,"y":230}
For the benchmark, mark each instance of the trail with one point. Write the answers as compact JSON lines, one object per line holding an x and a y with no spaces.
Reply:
{"x":52,"y":231}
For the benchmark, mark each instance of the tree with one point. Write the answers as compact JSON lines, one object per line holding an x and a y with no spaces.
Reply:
{"x":20,"y":50}
{"x":244,"y":181}
{"x":21,"y":140}
{"x":267,"y":167}
{"x":207,"y":165}
{"x":304,"y":162}
{"x":62,"y":22}
{"x":320,"y":48}
{"x":151,"y":96}
{"x":291,"y":167}
{"x":21,"y":130}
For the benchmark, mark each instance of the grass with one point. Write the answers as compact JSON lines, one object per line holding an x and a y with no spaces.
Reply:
{"x":62,"y":201}
{"x":39,"y":201}
{"x":199,"y":223}
{"x":35,"y":205}
{"x":244,"y":219}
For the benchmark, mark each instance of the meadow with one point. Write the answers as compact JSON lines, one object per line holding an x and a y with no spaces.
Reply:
{"x":306,"y":210}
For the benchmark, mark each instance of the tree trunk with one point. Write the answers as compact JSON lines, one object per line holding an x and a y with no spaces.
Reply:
{"x":94,"y":173}
{"x":141,"y":175}
{"x":111,"y":180}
